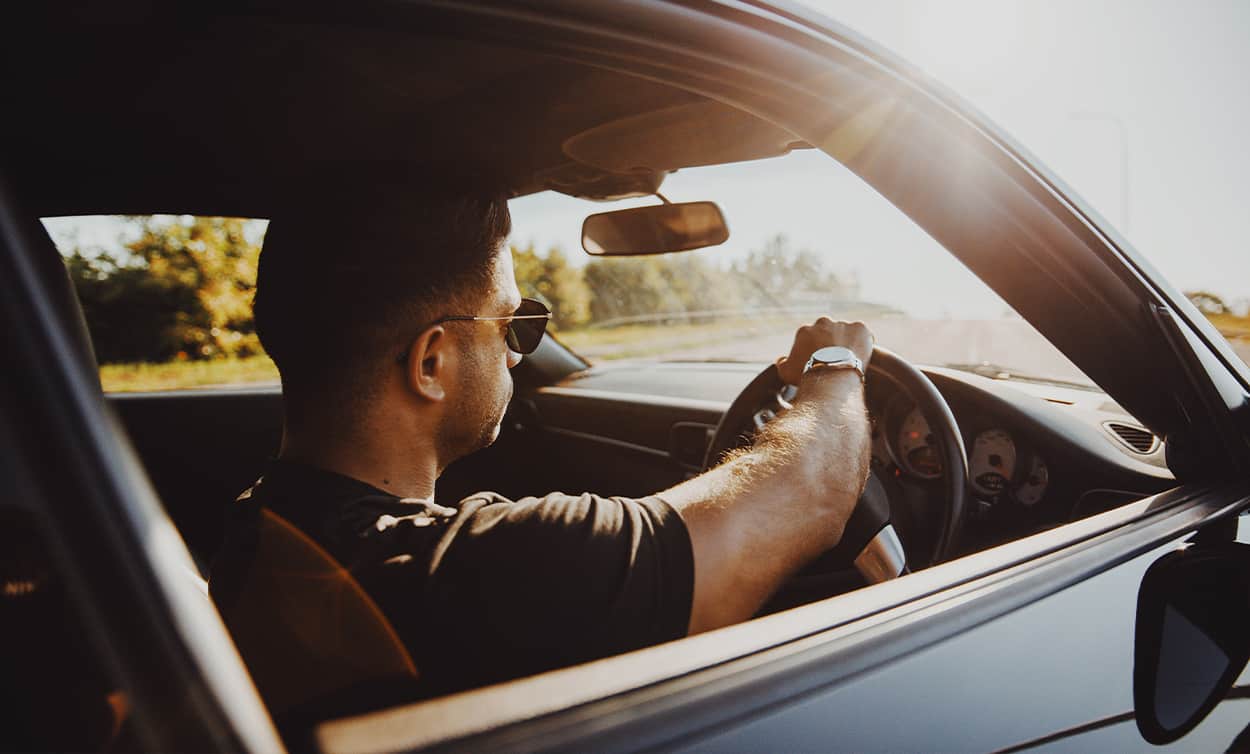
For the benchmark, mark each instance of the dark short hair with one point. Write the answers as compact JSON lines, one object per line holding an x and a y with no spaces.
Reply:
{"x":343,"y":285}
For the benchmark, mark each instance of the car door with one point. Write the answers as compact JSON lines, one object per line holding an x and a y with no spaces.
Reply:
{"x":1055,"y":674}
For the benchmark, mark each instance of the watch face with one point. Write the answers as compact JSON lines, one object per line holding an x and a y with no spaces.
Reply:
{"x":833,"y":354}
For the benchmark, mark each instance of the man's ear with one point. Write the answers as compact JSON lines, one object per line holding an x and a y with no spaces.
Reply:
{"x":429,"y":365}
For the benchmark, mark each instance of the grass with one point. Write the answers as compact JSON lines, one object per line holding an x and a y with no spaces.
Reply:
{"x":1230,"y":325}
{"x":176,"y":375}
{"x":596,"y":344}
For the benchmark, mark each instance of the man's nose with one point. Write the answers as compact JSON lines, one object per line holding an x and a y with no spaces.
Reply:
{"x":514,"y":358}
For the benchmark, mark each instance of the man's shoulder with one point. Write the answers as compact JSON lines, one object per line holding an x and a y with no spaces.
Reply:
{"x":330,"y":508}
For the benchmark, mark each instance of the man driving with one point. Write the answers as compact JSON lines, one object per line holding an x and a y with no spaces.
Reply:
{"x":394,"y":322}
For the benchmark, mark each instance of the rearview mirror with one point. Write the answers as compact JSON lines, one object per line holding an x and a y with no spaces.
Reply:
{"x":1193,"y":636}
{"x":657,"y":229}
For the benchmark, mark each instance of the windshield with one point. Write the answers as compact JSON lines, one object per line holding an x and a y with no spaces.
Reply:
{"x":807,"y":238}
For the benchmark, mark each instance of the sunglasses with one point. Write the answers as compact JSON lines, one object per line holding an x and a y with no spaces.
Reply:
{"x":525,"y":326}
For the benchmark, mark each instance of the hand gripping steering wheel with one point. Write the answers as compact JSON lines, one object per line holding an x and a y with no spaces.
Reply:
{"x":868,"y":541}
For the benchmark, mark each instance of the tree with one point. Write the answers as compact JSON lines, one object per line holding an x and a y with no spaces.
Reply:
{"x":131,"y":314}
{"x":653,"y":286}
{"x":553,"y":280}
{"x":767,"y":276}
{"x":183,"y":290}
{"x":625,"y":287}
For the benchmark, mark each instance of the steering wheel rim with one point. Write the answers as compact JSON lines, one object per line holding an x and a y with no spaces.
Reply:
{"x":763,"y":394}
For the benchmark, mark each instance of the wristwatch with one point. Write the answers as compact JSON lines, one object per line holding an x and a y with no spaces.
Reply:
{"x":835,"y":357}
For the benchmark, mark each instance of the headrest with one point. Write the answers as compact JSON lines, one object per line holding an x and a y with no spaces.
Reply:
{"x":28,"y":234}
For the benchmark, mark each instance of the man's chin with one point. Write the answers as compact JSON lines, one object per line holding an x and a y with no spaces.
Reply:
{"x":493,"y":434}
{"x":490,"y":434}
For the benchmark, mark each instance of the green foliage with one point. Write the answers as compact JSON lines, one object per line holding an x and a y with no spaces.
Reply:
{"x":626,"y":287}
{"x":552,"y":279}
{"x":178,"y":375}
{"x":670,"y":288}
{"x":183,"y":291}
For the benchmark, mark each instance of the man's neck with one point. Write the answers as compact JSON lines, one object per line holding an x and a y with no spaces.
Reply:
{"x":374,"y":458}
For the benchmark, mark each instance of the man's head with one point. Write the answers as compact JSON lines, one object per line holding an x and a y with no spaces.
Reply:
{"x":346,"y":287}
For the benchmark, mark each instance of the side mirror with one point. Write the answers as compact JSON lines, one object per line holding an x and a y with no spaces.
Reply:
{"x":657,"y":229}
{"x":1193,"y":636}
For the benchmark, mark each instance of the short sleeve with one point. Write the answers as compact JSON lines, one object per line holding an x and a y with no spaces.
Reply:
{"x":545,"y":582}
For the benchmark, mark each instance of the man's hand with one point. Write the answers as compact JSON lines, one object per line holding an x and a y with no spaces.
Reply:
{"x":824,"y":332}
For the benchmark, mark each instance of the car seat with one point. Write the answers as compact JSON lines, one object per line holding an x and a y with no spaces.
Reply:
{"x":315,"y":643}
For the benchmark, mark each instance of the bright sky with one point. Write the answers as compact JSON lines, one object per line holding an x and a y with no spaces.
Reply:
{"x":1079,"y":82}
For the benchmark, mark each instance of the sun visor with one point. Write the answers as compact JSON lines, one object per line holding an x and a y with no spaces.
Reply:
{"x":701,"y":133}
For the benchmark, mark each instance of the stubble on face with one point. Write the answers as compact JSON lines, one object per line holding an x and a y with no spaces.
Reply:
{"x":484,"y":384}
{"x":479,"y":405}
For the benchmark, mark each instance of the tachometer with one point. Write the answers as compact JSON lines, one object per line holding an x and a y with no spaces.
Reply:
{"x":917,"y":447}
{"x":993,"y":462}
{"x":1033,"y":486}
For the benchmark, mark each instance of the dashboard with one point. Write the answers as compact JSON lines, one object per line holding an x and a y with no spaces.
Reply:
{"x":1039,"y":454}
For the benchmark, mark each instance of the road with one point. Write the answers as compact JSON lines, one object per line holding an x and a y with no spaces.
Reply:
{"x":1008,"y":342}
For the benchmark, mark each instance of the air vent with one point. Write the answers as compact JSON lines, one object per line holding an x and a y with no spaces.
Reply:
{"x":1137,"y":439}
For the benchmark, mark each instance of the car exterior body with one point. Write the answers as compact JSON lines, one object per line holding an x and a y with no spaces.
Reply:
{"x":1027,"y":643}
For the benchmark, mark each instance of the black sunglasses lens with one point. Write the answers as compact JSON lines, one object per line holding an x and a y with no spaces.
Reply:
{"x":524,"y":335}
{"x":513,"y":339}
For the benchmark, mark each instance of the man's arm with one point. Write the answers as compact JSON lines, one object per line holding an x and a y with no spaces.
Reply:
{"x":757,"y":518}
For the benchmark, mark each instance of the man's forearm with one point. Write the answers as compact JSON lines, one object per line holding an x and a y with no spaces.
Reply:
{"x":767,"y":510}
{"x":824,"y":439}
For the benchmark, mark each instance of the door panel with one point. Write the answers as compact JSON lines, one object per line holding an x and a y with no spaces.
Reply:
{"x":1056,"y":675}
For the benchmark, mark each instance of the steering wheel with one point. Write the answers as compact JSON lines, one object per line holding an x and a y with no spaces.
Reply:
{"x":868,"y":532}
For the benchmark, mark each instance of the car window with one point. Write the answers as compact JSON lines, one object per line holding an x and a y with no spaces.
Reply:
{"x":167,"y":299}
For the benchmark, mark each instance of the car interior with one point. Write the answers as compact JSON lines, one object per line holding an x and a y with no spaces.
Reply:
{"x":312,"y":103}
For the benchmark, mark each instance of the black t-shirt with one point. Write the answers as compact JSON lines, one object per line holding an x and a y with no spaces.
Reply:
{"x":492,"y":589}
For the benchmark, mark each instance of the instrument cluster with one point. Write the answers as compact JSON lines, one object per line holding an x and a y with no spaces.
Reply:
{"x":999,"y":467}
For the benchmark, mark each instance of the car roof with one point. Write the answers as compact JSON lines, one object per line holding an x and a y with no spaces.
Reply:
{"x":173,"y":111}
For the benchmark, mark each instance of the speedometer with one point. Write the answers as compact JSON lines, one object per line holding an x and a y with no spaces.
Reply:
{"x":993,"y":462}
{"x":917,"y":449}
